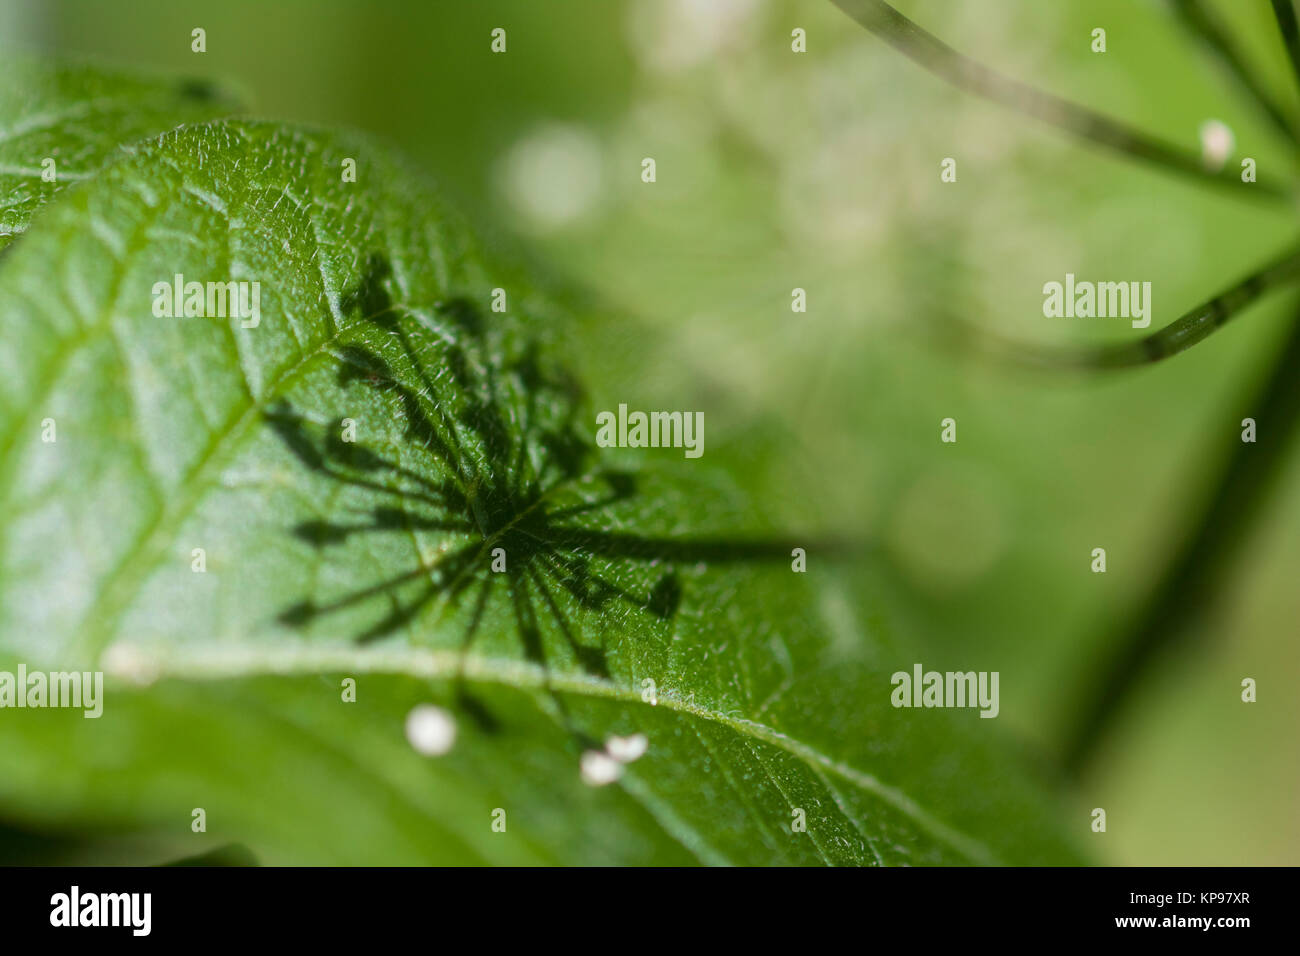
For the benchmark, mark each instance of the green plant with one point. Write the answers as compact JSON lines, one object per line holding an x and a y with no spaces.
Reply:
{"x":204,"y":530}
{"x":1235,"y":495}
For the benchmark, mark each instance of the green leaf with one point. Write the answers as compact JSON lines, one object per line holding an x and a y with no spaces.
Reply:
{"x":61,"y":126}
{"x":641,"y":595}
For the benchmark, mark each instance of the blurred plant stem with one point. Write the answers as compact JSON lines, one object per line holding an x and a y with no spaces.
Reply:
{"x":927,"y":50}
{"x":1206,"y":26}
{"x":1284,"y":12}
{"x":1180,"y":606}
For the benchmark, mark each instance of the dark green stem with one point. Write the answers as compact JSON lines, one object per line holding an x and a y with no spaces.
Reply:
{"x":1182,"y":603}
{"x":1286,"y":24}
{"x":967,"y":74}
{"x":1179,"y":335}
{"x":1201,"y":21}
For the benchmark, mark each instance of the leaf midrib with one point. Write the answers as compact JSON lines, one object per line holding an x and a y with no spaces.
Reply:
{"x":236,"y":662}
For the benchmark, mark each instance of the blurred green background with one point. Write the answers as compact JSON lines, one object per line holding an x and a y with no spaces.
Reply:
{"x":820,"y":171}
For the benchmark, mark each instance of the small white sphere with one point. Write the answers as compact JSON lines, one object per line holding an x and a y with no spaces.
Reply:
{"x":599,"y":768}
{"x":1217,"y":143}
{"x":430,"y":730}
{"x":627,"y":749}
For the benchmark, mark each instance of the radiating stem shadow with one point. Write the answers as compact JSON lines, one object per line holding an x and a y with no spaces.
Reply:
{"x":504,"y":470}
